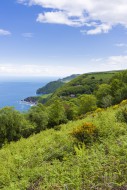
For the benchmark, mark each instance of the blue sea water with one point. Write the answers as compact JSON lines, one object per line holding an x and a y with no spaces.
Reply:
{"x":14,"y":90}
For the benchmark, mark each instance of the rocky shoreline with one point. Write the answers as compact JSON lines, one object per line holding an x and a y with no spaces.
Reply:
{"x":30,"y":101}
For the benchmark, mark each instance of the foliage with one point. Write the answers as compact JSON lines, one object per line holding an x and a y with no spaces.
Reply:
{"x":109,"y":88}
{"x":121,"y":115}
{"x":87,"y":103}
{"x":38,"y":116}
{"x":74,"y":100}
{"x":52,"y":86}
{"x":106,"y":101}
{"x":56,"y":113}
{"x":103,"y":95}
{"x":71,"y":110}
{"x":83,"y":84}
{"x":44,"y":98}
{"x":86,"y":133}
{"x":13,"y":125}
{"x":52,"y":160}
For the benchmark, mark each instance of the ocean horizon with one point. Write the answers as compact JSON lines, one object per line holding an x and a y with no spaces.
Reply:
{"x":13,"y":90}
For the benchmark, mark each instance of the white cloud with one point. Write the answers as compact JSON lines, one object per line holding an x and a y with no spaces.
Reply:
{"x":110,"y":63}
{"x":4,"y":32}
{"x":121,"y":45}
{"x":118,"y":59}
{"x":89,"y":65}
{"x":58,"y":17}
{"x":102,"y":28}
{"x":27,"y":35}
{"x":37,"y":70}
{"x":97,"y":59}
{"x":105,"y":13}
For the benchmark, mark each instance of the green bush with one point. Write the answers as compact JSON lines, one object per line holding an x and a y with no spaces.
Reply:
{"x":121,"y":115}
{"x":86,"y":133}
{"x":13,"y":125}
{"x":87,"y":103}
{"x":38,"y":116}
{"x":56,"y":114}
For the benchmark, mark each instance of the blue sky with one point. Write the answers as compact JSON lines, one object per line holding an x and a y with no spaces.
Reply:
{"x":62,"y":37}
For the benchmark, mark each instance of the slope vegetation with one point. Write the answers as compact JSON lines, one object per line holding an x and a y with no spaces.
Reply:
{"x":84,"y":154}
{"x":52,"y":86}
{"x":84,"y":84}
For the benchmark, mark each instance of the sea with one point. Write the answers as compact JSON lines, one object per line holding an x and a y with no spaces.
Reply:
{"x":13,"y":90}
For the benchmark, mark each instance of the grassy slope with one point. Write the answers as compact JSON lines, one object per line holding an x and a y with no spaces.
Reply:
{"x":53,"y":85}
{"x":50,"y":160}
{"x":63,"y":85}
{"x":75,"y":85}
{"x":102,"y":75}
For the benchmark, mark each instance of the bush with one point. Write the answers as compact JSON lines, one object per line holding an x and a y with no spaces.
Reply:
{"x":38,"y":116}
{"x":56,"y":114}
{"x":121,"y":115}
{"x":13,"y":125}
{"x":86,"y":133}
{"x":87,"y":103}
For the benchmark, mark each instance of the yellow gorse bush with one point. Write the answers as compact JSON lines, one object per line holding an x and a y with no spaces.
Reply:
{"x":85,"y":133}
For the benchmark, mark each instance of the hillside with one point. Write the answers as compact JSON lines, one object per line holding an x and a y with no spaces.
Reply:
{"x":85,"y":83}
{"x":52,"y":86}
{"x":88,"y":83}
{"x":84,"y":154}
{"x":71,"y":143}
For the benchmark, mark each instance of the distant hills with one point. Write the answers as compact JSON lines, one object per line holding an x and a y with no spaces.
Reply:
{"x":52,"y":86}
{"x":71,"y":86}
{"x":84,"y":84}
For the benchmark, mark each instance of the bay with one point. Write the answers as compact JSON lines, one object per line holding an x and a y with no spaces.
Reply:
{"x":15,"y":90}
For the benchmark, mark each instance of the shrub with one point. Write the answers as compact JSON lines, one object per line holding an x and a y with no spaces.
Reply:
{"x":124,"y":102}
{"x":87,"y":103}
{"x":115,"y":106}
{"x":86,"y":133}
{"x":38,"y":116}
{"x":56,"y":114}
{"x":13,"y":125}
{"x":121,"y":115}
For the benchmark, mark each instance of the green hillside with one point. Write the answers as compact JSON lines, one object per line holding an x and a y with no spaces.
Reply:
{"x":85,"y":83}
{"x":73,"y":143}
{"x":72,"y":86}
{"x":84,"y":154}
{"x":52,"y":86}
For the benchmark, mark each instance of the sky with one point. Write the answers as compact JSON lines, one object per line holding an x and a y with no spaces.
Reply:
{"x":62,"y":37}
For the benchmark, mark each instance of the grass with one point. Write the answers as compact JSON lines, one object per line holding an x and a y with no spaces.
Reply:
{"x":54,"y":160}
{"x":43,"y":97}
{"x":102,"y":75}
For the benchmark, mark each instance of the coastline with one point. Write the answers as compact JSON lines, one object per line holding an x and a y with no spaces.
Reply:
{"x":30,"y":103}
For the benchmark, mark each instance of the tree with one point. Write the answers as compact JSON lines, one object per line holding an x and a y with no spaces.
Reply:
{"x":106,"y":101}
{"x":103,"y":95}
{"x":116,"y":84}
{"x":71,"y":109}
{"x":38,"y":116}
{"x":56,"y":113}
{"x":87,"y":103}
{"x":13,"y":125}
